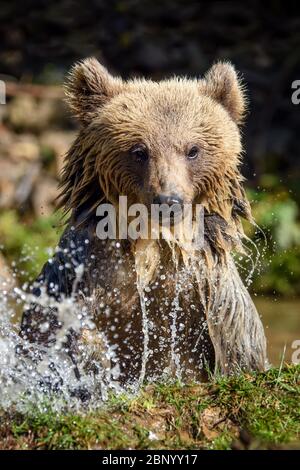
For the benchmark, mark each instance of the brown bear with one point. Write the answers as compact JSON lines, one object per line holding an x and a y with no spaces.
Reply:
{"x":164,"y":308}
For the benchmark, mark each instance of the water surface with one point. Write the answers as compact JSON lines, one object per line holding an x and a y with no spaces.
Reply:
{"x":281,"y":319}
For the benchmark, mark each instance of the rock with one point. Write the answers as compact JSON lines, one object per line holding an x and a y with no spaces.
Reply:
{"x":25,"y":147}
{"x":26,"y":113}
{"x":44,"y":195}
{"x":213,"y":422}
{"x":22,"y":113}
{"x":10,"y":176}
{"x":19,"y":163}
{"x":26,"y":184}
{"x":6,"y":139}
{"x":58,"y":143}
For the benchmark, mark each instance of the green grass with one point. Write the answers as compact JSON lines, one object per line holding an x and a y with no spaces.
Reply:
{"x":244,"y":412}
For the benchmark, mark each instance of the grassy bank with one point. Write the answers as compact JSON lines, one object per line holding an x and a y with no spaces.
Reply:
{"x":246,"y":412}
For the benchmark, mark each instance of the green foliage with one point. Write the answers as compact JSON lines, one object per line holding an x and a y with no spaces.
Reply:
{"x":278,"y":239}
{"x":27,"y":246}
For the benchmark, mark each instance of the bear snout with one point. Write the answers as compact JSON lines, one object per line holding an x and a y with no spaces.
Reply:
{"x":170,"y":200}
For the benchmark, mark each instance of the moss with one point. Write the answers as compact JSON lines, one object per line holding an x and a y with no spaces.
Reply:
{"x":258,"y":410}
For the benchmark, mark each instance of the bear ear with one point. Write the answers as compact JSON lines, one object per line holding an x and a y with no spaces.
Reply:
{"x":89,"y":86}
{"x":223,"y":85}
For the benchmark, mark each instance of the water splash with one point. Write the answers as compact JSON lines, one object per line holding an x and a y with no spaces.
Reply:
{"x":145,"y":332}
{"x":30,"y":373}
{"x":175,"y":358}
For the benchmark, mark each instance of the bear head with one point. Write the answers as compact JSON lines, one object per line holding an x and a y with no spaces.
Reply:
{"x":174,"y":140}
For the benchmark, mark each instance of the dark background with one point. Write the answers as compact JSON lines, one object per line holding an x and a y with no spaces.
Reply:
{"x":41,"y":39}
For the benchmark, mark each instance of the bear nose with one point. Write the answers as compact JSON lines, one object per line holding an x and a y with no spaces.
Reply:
{"x":169,"y":200}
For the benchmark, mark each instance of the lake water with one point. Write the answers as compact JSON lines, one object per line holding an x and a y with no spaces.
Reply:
{"x":281,"y":319}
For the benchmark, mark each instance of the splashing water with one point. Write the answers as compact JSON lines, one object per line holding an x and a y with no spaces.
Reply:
{"x":31,"y":373}
{"x":174,"y":333}
{"x":145,"y":332}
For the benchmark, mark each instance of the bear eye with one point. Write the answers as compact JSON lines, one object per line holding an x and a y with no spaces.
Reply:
{"x":140,"y":153}
{"x":193,"y":152}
